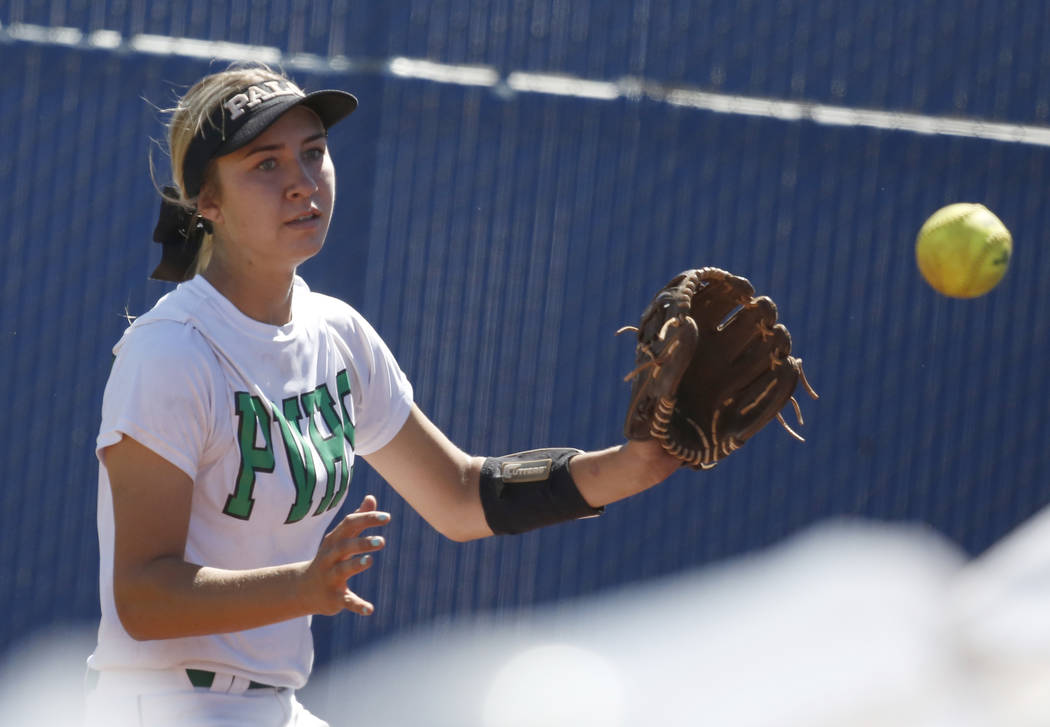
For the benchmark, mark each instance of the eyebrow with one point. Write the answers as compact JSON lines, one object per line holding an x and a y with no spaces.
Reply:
{"x":274,"y":147}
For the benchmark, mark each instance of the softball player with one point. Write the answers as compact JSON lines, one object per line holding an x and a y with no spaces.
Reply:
{"x":231,"y":420}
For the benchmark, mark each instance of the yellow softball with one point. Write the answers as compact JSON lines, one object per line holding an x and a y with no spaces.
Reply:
{"x":963,"y":250}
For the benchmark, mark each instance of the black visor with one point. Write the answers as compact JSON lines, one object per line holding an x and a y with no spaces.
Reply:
{"x":248,"y":113}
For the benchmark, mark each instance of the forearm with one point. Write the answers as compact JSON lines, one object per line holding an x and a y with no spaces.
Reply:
{"x":437,"y":479}
{"x":169,"y":598}
{"x":443,"y":484}
{"x":612,"y":474}
{"x":533,"y":489}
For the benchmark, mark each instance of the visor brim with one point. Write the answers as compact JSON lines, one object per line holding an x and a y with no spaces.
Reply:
{"x":331,"y":106}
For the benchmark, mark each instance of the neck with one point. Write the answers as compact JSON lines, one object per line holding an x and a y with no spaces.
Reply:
{"x":264,"y":296}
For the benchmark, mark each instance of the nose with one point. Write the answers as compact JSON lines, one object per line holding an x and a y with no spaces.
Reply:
{"x":302,"y":183}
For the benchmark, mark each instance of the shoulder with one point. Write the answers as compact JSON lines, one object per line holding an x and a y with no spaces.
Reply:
{"x":168,"y":328}
{"x":340,"y":316}
{"x":165,"y":362}
{"x":165,"y":341}
{"x":161,"y":339}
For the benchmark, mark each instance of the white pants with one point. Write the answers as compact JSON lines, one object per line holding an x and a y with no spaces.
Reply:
{"x":166,"y":698}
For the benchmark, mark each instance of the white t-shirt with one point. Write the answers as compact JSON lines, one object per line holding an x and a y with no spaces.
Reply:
{"x":266,"y":421}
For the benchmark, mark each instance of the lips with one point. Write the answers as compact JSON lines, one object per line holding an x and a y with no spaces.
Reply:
{"x":306,"y":217}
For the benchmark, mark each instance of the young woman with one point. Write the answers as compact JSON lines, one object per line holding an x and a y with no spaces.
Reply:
{"x":230,"y":421}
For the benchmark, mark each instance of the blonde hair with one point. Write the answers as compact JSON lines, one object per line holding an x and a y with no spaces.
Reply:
{"x":195,"y":109}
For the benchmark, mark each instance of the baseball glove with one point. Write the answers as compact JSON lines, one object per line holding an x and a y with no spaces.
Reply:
{"x":713,"y":368}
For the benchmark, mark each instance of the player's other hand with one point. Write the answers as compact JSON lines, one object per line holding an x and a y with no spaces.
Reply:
{"x":344,"y":552}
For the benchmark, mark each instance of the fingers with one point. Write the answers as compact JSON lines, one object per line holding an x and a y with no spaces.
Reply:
{"x":344,"y":552}
{"x":353,"y":602}
{"x":345,"y":570}
{"x":342,"y":545}
{"x":364,"y":517}
{"x":367,"y":505}
{"x":347,"y":549}
{"x":337,"y":561}
{"x":345,"y":539}
{"x":351,"y":566}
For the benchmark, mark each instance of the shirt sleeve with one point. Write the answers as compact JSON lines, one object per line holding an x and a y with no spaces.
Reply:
{"x":382,"y":393}
{"x":160,"y":393}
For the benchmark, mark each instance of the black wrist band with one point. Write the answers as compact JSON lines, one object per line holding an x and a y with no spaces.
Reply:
{"x":529,"y":490}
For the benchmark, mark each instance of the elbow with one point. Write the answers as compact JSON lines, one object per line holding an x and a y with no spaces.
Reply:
{"x":135,"y":633}
{"x":460,"y":532}
{"x":136,"y":601}
{"x":130,"y":612}
{"x":461,"y":518}
{"x":462,"y":524}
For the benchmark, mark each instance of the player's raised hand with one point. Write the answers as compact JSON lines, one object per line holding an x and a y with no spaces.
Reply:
{"x":344,"y":552}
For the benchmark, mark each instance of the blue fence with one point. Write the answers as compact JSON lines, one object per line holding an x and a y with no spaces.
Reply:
{"x":497,"y":239}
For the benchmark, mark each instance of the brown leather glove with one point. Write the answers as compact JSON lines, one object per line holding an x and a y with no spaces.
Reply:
{"x":713,"y":368}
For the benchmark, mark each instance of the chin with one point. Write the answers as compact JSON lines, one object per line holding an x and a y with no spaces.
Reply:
{"x":311,"y":243}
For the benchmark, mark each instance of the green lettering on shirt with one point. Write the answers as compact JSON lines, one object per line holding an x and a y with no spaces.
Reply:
{"x":300,"y":459}
{"x":332,"y":447}
{"x":251,"y":417}
{"x":329,"y":430}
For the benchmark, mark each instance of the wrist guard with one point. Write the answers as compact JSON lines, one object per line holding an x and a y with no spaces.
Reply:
{"x":529,"y":490}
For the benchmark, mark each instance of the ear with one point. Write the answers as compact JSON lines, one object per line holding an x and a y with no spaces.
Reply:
{"x":208,"y":203}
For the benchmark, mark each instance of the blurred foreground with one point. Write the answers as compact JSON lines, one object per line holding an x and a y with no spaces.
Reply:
{"x":849,"y":623}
